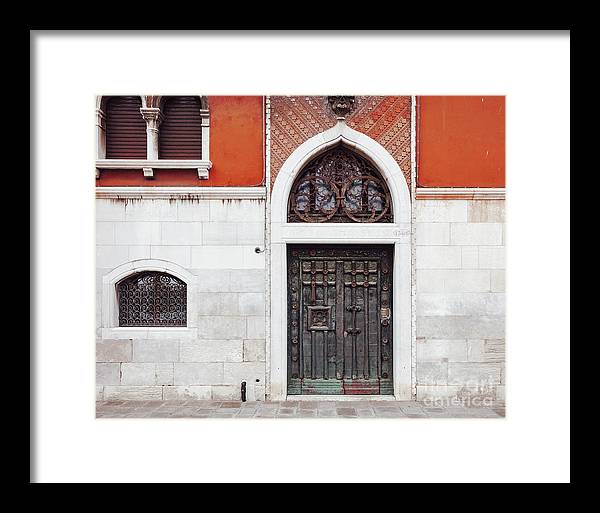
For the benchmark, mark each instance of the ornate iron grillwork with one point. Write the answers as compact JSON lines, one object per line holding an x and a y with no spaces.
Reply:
{"x":340,"y":186}
{"x":152,"y":299}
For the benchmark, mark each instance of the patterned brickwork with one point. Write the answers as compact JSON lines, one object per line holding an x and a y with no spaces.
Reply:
{"x":295,"y":119}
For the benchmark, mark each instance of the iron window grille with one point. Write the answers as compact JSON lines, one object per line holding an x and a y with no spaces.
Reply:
{"x":152,"y":299}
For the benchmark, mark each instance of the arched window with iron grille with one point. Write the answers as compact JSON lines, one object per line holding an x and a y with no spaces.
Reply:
{"x":340,"y":186}
{"x":152,"y":298}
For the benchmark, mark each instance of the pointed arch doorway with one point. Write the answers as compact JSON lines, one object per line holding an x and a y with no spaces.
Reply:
{"x":340,"y":217}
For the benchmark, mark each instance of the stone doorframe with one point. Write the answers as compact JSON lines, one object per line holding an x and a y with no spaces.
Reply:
{"x":397,"y":233}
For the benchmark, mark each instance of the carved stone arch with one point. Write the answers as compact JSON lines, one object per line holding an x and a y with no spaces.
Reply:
{"x":157,"y":101}
{"x":102,"y":99}
{"x":359,"y":143}
{"x":101,"y":102}
{"x":148,"y":101}
{"x":396,"y":233}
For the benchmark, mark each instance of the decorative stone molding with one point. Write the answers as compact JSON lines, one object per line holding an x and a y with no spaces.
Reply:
{"x":397,"y":233}
{"x":461,"y":193}
{"x":341,"y":133}
{"x":341,"y":105}
{"x":148,"y":166}
{"x":203,"y":171}
{"x":152,"y":116}
{"x":205,"y":193}
{"x":413,"y":243}
{"x":267,"y":111}
{"x":295,"y":119}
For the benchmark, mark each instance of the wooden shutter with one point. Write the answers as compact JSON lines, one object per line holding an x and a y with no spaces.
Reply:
{"x":125,"y":128}
{"x":180,"y":135}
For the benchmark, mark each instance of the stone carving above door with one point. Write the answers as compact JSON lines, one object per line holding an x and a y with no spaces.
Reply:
{"x":341,"y":105}
{"x":295,"y":119}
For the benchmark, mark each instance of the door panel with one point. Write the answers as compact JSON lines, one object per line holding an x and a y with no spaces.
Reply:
{"x":339,"y":319}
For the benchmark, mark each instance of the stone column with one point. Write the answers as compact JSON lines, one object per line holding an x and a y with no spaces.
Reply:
{"x":153,"y":118}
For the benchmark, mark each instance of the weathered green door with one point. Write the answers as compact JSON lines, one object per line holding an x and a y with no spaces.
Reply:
{"x":339,"y":319}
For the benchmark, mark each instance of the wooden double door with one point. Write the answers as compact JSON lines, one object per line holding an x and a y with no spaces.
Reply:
{"x":340,"y":319}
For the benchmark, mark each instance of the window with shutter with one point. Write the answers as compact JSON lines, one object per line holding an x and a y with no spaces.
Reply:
{"x":125,"y":128}
{"x":180,"y":135}
{"x":153,"y":132}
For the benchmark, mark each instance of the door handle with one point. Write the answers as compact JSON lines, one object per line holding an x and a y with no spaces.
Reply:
{"x":385,"y":316}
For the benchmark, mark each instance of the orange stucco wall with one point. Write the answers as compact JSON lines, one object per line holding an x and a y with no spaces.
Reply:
{"x":236,"y":140}
{"x":236,"y":150}
{"x":460,"y":141}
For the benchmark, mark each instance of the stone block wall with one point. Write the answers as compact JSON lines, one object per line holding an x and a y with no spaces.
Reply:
{"x":460,"y":298}
{"x":224,"y":343}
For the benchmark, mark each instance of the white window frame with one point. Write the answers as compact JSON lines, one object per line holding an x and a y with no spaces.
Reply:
{"x":110,"y":306}
{"x":151,"y":112}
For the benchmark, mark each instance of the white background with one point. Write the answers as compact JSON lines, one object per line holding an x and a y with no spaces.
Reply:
{"x":531,"y":444}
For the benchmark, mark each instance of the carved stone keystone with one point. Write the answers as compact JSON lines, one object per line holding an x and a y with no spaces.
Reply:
{"x":341,"y":105}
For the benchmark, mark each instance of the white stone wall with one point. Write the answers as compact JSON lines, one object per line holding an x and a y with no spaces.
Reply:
{"x":460,"y":266}
{"x":215,"y":241}
{"x":460,"y":300}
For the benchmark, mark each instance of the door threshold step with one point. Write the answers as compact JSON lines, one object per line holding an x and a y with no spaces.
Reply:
{"x":357,"y":397}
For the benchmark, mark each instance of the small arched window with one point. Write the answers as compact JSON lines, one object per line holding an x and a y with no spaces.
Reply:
{"x":125,"y":128}
{"x":340,"y":186}
{"x":152,"y":298}
{"x":180,"y":135}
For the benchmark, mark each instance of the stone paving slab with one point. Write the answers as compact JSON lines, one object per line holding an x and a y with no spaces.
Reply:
{"x":289,"y":409}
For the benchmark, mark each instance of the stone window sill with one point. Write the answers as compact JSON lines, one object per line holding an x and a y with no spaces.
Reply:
{"x":148,"y":166}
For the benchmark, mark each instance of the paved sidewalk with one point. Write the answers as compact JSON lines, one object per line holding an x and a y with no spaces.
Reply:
{"x":289,"y":409}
